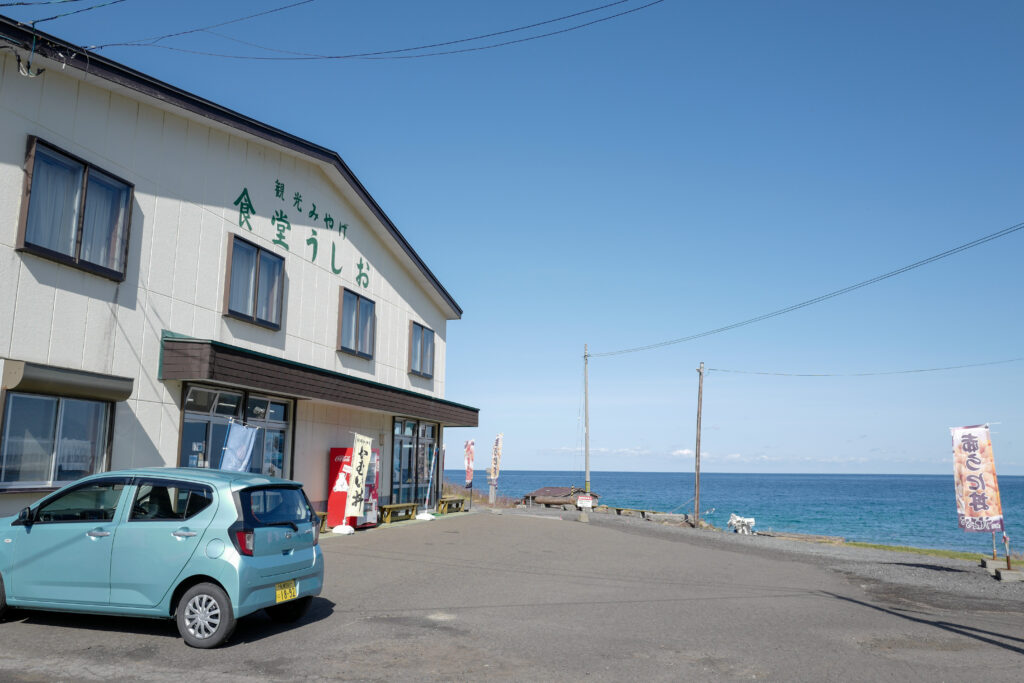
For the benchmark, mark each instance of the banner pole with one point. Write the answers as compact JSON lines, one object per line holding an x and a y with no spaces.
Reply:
{"x":994,"y":545}
{"x":1006,"y":541}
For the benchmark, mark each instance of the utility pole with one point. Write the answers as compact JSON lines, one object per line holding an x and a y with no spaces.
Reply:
{"x":696,"y":468}
{"x":586,"y":431}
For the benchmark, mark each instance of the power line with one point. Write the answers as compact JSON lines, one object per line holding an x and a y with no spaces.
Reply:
{"x":36,"y":2}
{"x":390,"y":54}
{"x":421,"y":47}
{"x":823,"y":297}
{"x":147,"y":42}
{"x":77,"y":11}
{"x":867,"y":374}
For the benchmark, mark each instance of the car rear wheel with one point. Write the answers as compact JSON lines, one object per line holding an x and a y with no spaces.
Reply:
{"x":205,"y":618}
{"x":3,"y":599}
{"x":289,"y":611}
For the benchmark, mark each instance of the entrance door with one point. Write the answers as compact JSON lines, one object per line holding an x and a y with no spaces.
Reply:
{"x":403,"y":474}
{"x":414,"y":456}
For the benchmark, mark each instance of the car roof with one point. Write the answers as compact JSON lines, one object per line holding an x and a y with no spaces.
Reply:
{"x":235,"y":480}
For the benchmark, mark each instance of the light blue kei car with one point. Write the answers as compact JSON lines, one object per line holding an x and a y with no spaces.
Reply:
{"x":203,"y":547}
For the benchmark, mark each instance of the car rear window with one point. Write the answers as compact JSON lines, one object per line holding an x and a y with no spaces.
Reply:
{"x":275,"y":505}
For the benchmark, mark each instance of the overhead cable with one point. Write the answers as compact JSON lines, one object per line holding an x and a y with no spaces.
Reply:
{"x":866,"y":374}
{"x":823,"y":297}
{"x":145,"y":42}
{"x":393,"y":53}
{"x":77,"y":11}
{"x":419,"y":47}
{"x":29,"y":3}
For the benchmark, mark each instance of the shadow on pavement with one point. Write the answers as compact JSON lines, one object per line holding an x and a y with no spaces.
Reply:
{"x":950,"y":627}
{"x":251,"y":628}
{"x":932,"y":567}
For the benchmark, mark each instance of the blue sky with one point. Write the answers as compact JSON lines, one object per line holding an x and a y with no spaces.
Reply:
{"x":678,"y":169}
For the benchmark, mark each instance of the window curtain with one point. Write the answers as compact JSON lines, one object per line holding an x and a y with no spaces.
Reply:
{"x":268,"y":298}
{"x":103,"y":227}
{"x":53,"y":207}
{"x":428,"y":352}
{"x":366,"y":326}
{"x":243,"y":275}
{"x":349,"y":310}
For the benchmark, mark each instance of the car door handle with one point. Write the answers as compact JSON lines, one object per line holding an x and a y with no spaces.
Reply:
{"x":96,"y":533}
{"x":184,"y":534}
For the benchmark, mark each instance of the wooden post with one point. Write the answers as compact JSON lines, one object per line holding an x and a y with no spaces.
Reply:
{"x":696,"y":467}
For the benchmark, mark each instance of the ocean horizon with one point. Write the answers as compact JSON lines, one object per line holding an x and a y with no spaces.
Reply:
{"x":893,"y":509}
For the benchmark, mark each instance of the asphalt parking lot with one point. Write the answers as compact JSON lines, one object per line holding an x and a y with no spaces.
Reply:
{"x":484,"y":596}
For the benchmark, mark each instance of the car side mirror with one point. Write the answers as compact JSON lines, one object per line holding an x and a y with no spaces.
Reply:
{"x":25,"y":517}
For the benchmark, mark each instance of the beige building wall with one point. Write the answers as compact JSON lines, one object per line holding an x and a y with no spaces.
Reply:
{"x":188,"y":171}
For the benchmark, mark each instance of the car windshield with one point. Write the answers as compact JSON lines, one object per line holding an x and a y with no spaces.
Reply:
{"x":277,"y":505}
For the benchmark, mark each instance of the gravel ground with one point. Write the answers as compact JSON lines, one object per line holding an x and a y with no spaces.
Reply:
{"x":900,"y":579}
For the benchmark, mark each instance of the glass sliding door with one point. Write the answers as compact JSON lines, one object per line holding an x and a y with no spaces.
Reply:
{"x":414,"y":458}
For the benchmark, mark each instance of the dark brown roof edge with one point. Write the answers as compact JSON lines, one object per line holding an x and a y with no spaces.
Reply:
{"x":468,"y":416}
{"x":62,"y":51}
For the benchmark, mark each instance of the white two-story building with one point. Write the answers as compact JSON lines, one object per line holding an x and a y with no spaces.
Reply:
{"x":169,"y":266}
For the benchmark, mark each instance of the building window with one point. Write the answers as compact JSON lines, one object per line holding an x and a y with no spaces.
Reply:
{"x":421,"y":351}
{"x":255,"y":284}
{"x":51,"y":440}
{"x":209,"y":413}
{"x":358,"y":321}
{"x":77,"y":214}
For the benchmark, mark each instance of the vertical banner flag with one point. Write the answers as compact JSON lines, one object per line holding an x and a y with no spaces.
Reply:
{"x":357,"y":482}
{"x":469,"y":463}
{"x":237,"y":453}
{"x":496,"y":457}
{"x":978,"y":505}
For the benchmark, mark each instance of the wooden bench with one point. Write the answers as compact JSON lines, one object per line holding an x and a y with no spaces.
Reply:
{"x":397,"y":511}
{"x":323,"y":521}
{"x":450,"y":504}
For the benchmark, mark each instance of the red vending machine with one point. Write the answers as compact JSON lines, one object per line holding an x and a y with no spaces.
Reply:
{"x":340,"y":477}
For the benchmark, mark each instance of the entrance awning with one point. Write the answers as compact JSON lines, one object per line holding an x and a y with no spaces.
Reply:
{"x":204,"y":360}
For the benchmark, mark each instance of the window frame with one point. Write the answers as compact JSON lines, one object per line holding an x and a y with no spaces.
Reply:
{"x":254,"y":318}
{"x":433,"y":346}
{"x":341,"y":324}
{"x":75,"y":261}
{"x":103,"y":461}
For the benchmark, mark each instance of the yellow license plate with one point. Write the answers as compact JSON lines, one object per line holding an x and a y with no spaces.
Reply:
{"x":286,"y":591}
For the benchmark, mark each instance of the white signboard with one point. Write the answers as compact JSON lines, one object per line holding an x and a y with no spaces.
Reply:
{"x":356,"y":497}
{"x":585,"y":500}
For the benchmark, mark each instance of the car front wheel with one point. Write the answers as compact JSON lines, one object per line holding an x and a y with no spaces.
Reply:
{"x":205,"y":618}
{"x":288,"y":612}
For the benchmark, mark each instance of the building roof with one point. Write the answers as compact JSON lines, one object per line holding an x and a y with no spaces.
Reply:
{"x":37,"y":43}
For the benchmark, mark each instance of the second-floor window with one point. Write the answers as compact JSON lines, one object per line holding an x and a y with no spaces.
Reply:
{"x":255,"y":284}
{"x":421,"y":351}
{"x":77,"y":214}
{"x":357,"y":324}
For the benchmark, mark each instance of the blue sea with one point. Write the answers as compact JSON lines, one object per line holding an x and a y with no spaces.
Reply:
{"x":914,"y":510}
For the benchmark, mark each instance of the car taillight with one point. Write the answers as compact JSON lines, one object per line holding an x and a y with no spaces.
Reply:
{"x":316,"y":531}
{"x":244,"y":541}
